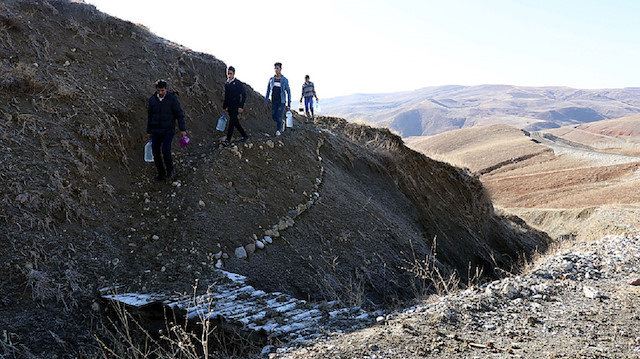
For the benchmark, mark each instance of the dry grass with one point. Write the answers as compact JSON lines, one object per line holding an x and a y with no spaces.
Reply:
{"x":349,"y":292}
{"x":431,"y":277}
{"x":127,"y":337}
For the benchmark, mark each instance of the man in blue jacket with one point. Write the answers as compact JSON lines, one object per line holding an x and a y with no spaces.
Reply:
{"x":234,"y":97}
{"x":281,"y":94}
{"x":163,"y":111}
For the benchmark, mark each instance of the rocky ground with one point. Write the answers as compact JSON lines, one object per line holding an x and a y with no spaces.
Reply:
{"x":574,"y":303}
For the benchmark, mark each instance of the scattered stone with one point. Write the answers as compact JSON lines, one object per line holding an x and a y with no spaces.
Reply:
{"x":259,"y":245}
{"x":95,"y":307}
{"x":267,"y":350}
{"x":219,"y":264}
{"x":591,"y":293}
{"x":268,"y":239}
{"x":250,"y":248}
{"x":201,"y":203}
{"x":241,"y":253}
{"x":218,"y":255}
{"x":510,"y":291}
{"x":634,"y":281}
{"x":285,"y":222}
{"x":236,"y":152}
{"x":155,"y":237}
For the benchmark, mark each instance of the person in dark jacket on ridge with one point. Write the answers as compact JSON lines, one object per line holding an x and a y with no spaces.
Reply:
{"x":234,"y":97}
{"x":163,"y":111}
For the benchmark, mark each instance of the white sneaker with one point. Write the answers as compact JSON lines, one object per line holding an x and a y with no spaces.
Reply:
{"x":277,"y":133}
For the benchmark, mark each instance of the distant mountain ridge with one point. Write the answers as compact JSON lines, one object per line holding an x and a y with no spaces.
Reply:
{"x":432,"y":110}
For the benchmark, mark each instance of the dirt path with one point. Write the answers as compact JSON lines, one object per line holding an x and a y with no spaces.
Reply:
{"x":582,"y":152}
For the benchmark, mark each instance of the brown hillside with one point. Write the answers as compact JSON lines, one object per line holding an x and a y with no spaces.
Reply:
{"x":483,"y":149}
{"x":620,"y":135}
{"x":348,"y":206}
{"x":552,"y":181}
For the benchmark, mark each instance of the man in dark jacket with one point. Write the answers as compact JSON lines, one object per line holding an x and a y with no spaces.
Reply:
{"x":162,"y":113}
{"x":234,"y":97}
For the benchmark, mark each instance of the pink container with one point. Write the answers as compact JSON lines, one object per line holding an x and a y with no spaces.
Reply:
{"x":183,"y":141}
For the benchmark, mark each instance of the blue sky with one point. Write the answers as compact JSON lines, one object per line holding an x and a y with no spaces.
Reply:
{"x":349,"y":46}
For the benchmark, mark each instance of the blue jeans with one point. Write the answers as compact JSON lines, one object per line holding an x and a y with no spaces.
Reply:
{"x":162,"y":144}
{"x":277,"y":110}
{"x":308,"y":104}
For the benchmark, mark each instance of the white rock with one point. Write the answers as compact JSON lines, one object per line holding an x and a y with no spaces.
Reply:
{"x":241,"y":253}
{"x":218,"y":255}
{"x":591,"y":293}
{"x":201,"y":203}
{"x":510,"y":291}
{"x":155,"y":237}
{"x":259,"y":245}
{"x":268,"y":239}
{"x":219,"y":264}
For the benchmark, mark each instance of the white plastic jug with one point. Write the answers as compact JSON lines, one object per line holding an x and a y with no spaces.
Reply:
{"x":317,"y":107}
{"x":289,"y":119}
{"x":148,"y":152}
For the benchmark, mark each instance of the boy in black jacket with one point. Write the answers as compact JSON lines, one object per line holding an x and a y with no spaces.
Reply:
{"x":163,"y":111}
{"x":234,"y":97}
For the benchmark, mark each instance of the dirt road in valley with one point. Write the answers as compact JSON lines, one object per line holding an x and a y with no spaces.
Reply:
{"x":561,"y":147}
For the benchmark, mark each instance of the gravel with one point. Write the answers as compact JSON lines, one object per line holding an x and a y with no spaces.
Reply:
{"x":574,"y":303}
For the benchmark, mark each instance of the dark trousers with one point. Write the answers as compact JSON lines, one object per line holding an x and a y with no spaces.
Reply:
{"x":162,"y":144}
{"x":277,"y":110}
{"x":234,"y":122}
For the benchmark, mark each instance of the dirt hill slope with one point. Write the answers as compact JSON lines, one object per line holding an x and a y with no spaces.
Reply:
{"x":80,"y":211}
{"x":578,"y":179}
{"x":618,"y":135}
